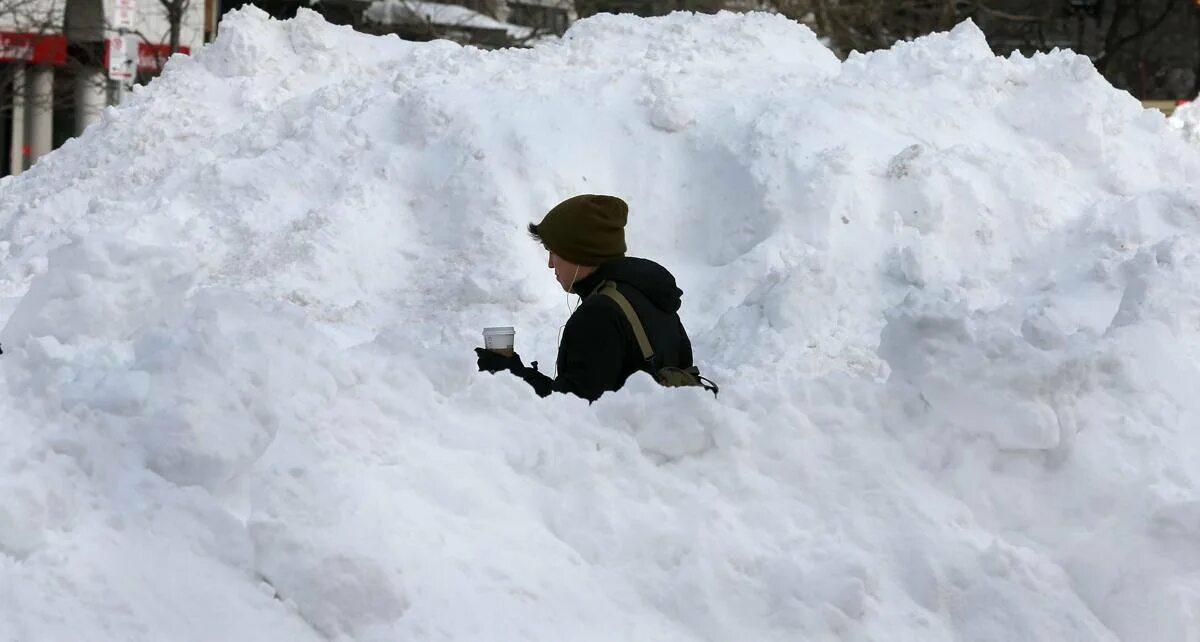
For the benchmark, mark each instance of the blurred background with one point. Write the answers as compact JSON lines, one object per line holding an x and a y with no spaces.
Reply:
{"x":63,"y":61}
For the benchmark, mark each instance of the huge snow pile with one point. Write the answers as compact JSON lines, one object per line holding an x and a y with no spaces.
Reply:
{"x":953,"y":300}
{"x":1186,"y":118}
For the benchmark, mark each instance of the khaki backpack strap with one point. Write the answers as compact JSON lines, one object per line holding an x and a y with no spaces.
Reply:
{"x":610,"y":290}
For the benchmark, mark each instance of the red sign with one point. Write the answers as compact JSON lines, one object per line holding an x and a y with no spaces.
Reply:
{"x":32,"y":48}
{"x":153,"y":57}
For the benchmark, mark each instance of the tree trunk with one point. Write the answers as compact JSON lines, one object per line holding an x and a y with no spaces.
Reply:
{"x":1196,"y":52}
{"x":1113,"y":36}
{"x":175,"y":11}
{"x":1113,"y":41}
{"x":176,"y":17}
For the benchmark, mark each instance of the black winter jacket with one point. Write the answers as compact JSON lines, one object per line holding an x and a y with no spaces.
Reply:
{"x":599,"y":350}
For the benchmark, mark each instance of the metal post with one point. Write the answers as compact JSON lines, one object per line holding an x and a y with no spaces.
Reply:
{"x":116,"y":92}
{"x":121,"y":67}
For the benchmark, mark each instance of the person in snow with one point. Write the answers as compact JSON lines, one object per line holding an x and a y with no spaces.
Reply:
{"x":600,"y":348}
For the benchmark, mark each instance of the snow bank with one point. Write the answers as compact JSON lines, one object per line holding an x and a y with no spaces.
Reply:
{"x":1186,"y":118}
{"x":951,"y":299}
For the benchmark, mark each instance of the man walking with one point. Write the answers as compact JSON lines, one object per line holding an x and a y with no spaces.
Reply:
{"x":628,"y":319}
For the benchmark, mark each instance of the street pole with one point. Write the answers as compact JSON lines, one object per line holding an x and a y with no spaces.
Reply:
{"x":122,"y":64}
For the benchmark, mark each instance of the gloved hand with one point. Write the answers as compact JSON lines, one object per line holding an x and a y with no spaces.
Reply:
{"x":494,"y":362}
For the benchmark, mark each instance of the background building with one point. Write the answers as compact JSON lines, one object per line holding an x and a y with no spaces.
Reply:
{"x":56,"y":71}
{"x":62,"y":63}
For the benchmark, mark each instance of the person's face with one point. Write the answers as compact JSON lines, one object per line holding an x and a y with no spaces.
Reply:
{"x":565,"y":272}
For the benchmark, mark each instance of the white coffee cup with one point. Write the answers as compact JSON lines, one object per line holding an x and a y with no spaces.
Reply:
{"x":500,"y":339}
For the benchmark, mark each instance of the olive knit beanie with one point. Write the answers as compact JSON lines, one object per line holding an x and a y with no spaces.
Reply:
{"x":588,"y":229}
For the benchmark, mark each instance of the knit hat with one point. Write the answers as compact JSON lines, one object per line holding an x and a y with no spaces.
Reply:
{"x":588,"y":229}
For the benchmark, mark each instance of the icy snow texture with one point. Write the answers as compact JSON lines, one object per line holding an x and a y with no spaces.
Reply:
{"x":952,"y":300}
{"x":1186,"y":118}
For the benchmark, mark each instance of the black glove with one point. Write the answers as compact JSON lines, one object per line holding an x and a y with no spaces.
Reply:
{"x":494,"y":362}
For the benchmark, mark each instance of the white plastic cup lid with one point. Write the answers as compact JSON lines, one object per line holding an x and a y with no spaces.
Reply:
{"x":502,"y":337}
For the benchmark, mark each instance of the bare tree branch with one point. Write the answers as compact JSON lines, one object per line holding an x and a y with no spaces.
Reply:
{"x":864,"y":25}
{"x":1113,"y":43}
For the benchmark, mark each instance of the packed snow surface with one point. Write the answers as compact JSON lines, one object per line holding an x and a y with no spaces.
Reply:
{"x":1186,"y":118}
{"x":953,"y":301}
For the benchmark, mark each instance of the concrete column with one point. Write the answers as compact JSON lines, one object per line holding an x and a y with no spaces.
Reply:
{"x":5,"y":132}
{"x":91,"y":94}
{"x":39,"y":120}
{"x":16,"y":147}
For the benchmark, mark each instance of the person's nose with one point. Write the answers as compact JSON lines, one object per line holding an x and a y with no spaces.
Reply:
{"x":550,"y":262}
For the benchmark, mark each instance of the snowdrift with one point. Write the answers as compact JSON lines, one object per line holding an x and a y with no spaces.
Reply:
{"x":1186,"y":118}
{"x":952,"y":300}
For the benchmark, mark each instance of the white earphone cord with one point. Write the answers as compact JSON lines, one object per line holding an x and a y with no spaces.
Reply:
{"x":569,"y":313}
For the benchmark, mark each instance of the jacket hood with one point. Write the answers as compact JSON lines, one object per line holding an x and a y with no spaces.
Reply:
{"x":646,"y":276}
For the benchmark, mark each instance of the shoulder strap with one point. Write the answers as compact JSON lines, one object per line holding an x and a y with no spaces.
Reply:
{"x":610,"y":290}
